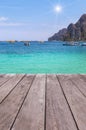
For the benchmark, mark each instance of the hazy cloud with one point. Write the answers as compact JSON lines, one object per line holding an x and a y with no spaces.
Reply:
{"x":12,"y":24}
{"x":3,"y":19}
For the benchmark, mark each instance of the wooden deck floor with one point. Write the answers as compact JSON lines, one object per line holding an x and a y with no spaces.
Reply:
{"x":42,"y":102}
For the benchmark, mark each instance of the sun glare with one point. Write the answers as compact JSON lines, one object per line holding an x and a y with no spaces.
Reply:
{"x":58,"y":8}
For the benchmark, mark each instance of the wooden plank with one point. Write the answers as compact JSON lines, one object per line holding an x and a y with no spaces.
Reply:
{"x":4,"y":78}
{"x":80,"y":83}
{"x":9,"y":86}
{"x":12,"y":104}
{"x":76,"y":100}
{"x":31,"y":116}
{"x":58,"y":115}
{"x":84,"y":76}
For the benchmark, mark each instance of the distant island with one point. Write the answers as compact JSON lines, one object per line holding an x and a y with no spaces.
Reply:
{"x":74,"y":32}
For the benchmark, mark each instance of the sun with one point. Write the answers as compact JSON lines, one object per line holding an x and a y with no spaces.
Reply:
{"x":58,"y":8}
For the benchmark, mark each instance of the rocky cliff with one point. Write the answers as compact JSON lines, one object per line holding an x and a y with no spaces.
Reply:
{"x":74,"y":32}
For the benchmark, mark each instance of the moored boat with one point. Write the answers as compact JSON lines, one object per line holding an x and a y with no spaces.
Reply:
{"x":71,"y":44}
{"x":83,"y":44}
{"x":26,"y":43}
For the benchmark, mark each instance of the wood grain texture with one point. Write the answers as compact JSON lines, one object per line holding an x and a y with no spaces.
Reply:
{"x":76,"y":100}
{"x":80,"y":83}
{"x":58,"y":115}
{"x":4,"y":78}
{"x":8,"y":86}
{"x":11,"y":105}
{"x":31,"y":116}
{"x":57,"y":102}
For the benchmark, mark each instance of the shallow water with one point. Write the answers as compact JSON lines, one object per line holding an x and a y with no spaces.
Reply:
{"x":50,"y":57}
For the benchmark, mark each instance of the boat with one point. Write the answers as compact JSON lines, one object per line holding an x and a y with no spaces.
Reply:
{"x":66,"y":44}
{"x":26,"y":43}
{"x":76,"y":43}
{"x":71,"y":44}
{"x":83,"y":44}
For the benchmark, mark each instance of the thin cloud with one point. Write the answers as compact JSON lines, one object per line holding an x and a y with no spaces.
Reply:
{"x":12,"y":24}
{"x":3,"y":19}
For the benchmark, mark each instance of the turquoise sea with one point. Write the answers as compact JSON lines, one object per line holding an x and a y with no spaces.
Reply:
{"x":49,"y":57}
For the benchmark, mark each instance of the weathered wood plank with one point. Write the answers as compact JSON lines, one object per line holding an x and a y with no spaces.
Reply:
{"x":12,"y":104}
{"x":31,"y":116}
{"x":76,"y":100}
{"x":9,"y":86}
{"x":4,"y":78}
{"x":58,"y":115}
{"x":80,"y":83}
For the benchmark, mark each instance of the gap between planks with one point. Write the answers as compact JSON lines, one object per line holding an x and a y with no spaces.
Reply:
{"x":14,"y":122}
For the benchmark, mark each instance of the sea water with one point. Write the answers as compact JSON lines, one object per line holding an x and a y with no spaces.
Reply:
{"x":47,"y":57}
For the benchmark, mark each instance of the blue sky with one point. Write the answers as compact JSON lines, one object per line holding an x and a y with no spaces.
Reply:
{"x":37,"y":19}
